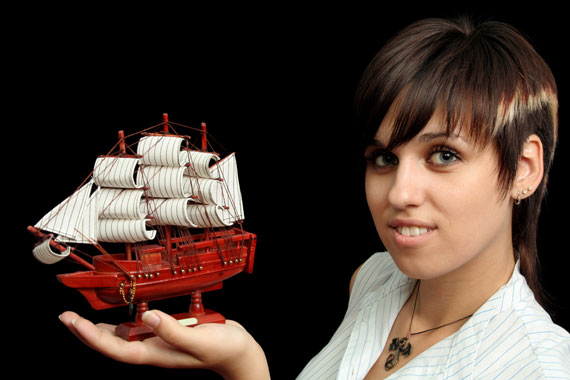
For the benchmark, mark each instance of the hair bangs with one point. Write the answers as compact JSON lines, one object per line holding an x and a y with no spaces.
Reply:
{"x":483,"y":82}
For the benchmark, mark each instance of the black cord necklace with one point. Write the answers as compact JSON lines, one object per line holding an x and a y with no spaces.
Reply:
{"x":403,"y":345}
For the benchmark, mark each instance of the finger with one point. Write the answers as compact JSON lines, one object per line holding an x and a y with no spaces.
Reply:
{"x":68,"y":318}
{"x":102,"y":338}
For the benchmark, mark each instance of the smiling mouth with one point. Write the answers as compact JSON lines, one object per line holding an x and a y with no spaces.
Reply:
{"x":412,"y":231}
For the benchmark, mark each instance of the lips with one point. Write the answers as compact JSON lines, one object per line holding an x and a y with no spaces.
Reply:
{"x":409,"y":229}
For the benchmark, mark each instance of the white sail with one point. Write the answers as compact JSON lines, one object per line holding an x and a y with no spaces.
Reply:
{"x":162,"y":151}
{"x":184,"y":213}
{"x":205,"y":216}
{"x":228,"y":172}
{"x":124,"y":231}
{"x":172,"y":212}
{"x":118,"y":172}
{"x":121,"y":204}
{"x":207,"y":191}
{"x":87,"y":229}
{"x":164,"y":181}
{"x":74,"y":219}
{"x":44,"y":253}
{"x":200,"y":163}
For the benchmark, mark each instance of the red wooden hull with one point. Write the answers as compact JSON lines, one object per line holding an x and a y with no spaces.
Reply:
{"x":202,"y":265}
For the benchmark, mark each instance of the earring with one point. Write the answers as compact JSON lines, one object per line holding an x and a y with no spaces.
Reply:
{"x":524,"y":192}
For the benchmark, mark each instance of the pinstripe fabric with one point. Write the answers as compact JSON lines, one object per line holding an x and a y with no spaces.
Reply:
{"x":509,"y":337}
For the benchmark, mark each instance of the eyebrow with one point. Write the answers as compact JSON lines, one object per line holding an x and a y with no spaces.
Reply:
{"x":424,"y":137}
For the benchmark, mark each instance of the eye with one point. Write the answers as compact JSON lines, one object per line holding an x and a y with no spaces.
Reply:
{"x":381,"y":159}
{"x":442,"y":155}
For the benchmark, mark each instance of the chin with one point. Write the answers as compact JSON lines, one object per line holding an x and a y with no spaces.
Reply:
{"x":420,"y":266}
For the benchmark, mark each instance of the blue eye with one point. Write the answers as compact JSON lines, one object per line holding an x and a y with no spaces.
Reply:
{"x":381,"y":159}
{"x":443,"y":155}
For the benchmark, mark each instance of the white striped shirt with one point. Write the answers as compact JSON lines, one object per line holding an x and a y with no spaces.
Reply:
{"x":509,"y":337}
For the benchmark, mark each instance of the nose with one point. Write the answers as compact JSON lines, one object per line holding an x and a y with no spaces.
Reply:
{"x":407,"y":186}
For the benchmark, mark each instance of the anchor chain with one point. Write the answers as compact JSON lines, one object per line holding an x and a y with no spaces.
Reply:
{"x":132,"y":291}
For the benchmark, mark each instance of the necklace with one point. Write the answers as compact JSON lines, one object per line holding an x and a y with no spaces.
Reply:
{"x":403,"y":345}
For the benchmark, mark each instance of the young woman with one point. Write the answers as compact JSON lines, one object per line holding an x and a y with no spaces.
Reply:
{"x":461,"y":125}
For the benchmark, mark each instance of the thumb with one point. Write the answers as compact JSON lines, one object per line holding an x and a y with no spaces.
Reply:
{"x":199,"y":343}
{"x":166,"y":327}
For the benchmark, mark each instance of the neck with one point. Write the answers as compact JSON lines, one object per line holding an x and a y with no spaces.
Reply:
{"x":461,"y":292}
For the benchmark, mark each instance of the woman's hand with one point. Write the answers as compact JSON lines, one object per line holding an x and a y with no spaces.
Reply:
{"x":227,"y":349}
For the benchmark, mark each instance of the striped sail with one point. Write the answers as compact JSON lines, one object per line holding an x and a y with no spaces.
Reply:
{"x":43,"y":253}
{"x":172,"y":212}
{"x":227,"y":171}
{"x":121,"y":204}
{"x":118,"y":172}
{"x":75,"y":219}
{"x":199,"y":164}
{"x":124,"y":231}
{"x":122,"y":216}
{"x":161,"y":151}
{"x":164,"y":181}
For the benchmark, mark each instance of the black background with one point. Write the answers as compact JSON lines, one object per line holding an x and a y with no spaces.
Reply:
{"x":273,"y":84}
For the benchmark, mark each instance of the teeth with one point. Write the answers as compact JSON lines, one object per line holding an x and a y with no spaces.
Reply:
{"x":412,"y":231}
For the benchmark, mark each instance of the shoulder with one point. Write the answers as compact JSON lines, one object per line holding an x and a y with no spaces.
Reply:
{"x":375,"y":272}
{"x":523,"y":341}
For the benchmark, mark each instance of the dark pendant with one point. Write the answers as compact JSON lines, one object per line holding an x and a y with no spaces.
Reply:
{"x":399,"y":346}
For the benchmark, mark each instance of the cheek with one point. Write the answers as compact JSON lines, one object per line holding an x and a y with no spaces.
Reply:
{"x":375,"y":196}
{"x":473,"y":214}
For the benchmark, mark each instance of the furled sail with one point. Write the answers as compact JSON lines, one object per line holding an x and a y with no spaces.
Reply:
{"x":46,"y":255}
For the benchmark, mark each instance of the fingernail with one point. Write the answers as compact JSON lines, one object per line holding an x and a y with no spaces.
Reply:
{"x":150,"y":319}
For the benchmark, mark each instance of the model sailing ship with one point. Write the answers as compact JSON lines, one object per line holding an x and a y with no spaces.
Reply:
{"x":174,"y":207}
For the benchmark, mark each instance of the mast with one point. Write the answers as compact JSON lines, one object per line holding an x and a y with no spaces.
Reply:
{"x":204,"y":137}
{"x":123,"y":151}
{"x":165,"y":121}
{"x":122,"y":142}
{"x":204,"y":148}
{"x":167,"y":228}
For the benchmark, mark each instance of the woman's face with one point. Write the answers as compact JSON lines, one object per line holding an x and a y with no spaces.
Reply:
{"x":436,"y":202}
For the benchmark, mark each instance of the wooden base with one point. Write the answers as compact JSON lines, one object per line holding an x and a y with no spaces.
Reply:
{"x":132,"y":331}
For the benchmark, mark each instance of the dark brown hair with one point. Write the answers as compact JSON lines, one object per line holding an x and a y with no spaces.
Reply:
{"x":489,"y":81}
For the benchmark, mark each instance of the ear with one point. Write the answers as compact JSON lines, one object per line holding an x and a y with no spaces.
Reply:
{"x":530,"y":169}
